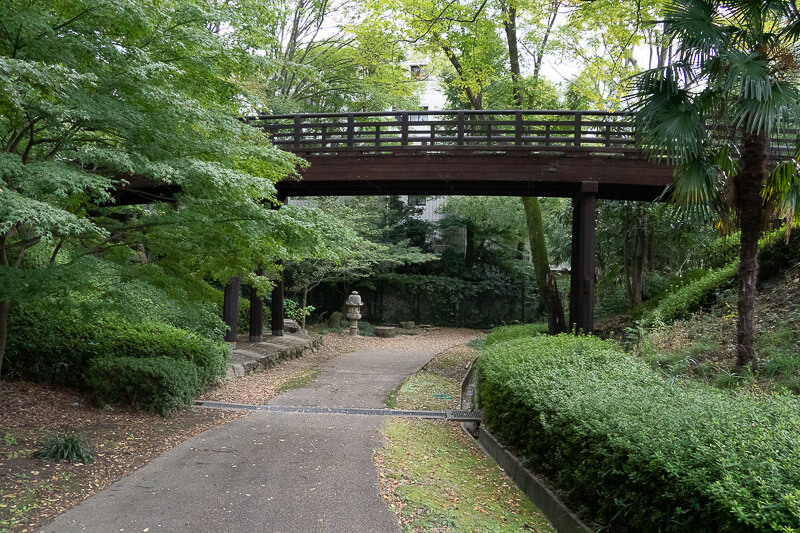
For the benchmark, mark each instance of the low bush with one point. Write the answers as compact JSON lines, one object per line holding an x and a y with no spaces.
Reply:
{"x":689,"y":298}
{"x":160,"y":384}
{"x":507,"y":333}
{"x":365,"y":329}
{"x":635,"y":451}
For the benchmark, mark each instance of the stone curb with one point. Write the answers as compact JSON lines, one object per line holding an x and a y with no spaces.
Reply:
{"x":272,"y":351}
{"x":562,"y":519}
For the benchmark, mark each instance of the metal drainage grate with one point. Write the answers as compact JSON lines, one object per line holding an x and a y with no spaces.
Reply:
{"x":228,"y":406}
{"x":459,"y":415}
{"x":462,"y":415}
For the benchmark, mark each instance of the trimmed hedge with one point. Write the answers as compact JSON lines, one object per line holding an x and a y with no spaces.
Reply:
{"x":507,"y":333}
{"x":159,"y":384}
{"x":59,"y":345}
{"x":635,"y":451}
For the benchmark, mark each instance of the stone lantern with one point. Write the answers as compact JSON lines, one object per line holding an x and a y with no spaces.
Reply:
{"x":353,"y":308}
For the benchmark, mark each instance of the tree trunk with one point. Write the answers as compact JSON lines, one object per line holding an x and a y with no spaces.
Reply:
{"x":749,"y":207}
{"x":545,"y":280}
{"x":469,"y":252}
{"x":4,"y":308}
{"x":556,"y":323}
{"x":510,"y":26}
{"x":303,"y":305}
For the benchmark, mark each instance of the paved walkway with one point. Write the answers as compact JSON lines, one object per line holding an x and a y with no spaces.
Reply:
{"x":269,"y":472}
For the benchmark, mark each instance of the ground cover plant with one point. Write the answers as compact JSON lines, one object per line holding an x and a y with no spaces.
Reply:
{"x":634,"y":450}
{"x":700,"y":347}
{"x":507,"y":333}
{"x":428,"y":475}
{"x":437,"y":386}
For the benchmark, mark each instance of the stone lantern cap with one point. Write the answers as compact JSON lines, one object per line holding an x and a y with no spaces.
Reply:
{"x":354,"y":299}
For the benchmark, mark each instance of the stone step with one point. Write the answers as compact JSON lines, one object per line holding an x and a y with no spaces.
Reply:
{"x":255,"y":356}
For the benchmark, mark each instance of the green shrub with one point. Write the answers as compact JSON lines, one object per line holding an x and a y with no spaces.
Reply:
{"x":365,"y":329}
{"x":689,"y":298}
{"x":57,"y":344}
{"x":160,"y":384}
{"x":775,"y":254}
{"x":506,"y":333}
{"x":636,"y":451}
{"x":722,"y":251}
{"x":68,"y":446}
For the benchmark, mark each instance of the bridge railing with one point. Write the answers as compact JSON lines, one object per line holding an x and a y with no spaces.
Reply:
{"x":446,"y":130}
{"x":484,"y":130}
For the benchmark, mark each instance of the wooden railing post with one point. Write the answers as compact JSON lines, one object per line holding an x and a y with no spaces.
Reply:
{"x":461,"y":128}
{"x":298,"y":130}
{"x":351,"y":130}
{"x":518,"y":129}
{"x":577,"y":129}
{"x":378,"y":135}
{"x":404,"y":129}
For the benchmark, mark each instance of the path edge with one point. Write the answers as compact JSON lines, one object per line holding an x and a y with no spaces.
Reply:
{"x":559,"y":515}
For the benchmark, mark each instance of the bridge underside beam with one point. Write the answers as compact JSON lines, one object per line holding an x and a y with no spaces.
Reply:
{"x":501,"y":174}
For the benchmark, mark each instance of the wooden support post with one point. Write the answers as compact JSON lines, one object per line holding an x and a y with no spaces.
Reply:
{"x":276,"y":309}
{"x":584,"y":222}
{"x":277,"y":304}
{"x":256,"y":312}
{"x":230,"y":309}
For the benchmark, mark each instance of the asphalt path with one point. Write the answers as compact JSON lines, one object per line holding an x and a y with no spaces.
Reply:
{"x":269,"y":472}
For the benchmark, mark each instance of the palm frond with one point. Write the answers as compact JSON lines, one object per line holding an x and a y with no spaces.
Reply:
{"x":695,"y":26}
{"x":747,"y":74}
{"x":696,"y":183}
{"x":783,"y":188}
{"x":771,"y":114}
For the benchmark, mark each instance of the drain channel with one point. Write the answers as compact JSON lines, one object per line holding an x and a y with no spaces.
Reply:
{"x":458,"y":415}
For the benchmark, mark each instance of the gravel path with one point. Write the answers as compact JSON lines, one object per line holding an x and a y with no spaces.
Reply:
{"x":278,"y":472}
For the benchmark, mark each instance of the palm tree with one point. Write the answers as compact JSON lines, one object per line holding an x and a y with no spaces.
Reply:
{"x":729,"y":90}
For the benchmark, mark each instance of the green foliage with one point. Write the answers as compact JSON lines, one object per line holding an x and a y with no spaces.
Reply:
{"x":639,"y":452}
{"x":56,"y":344}
{"x":365,"y":329}
{"x":689,"y":298}
{"x":780,"y":350}
{"x":68,"y":446}
{"x":293,"y":310}
{"x":775,"y":254}
{"x":507,"y":333}
{"x":160,"y":384}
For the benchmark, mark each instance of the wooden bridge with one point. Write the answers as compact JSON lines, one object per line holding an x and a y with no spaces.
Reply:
{"x":510,"y":153}
{"x":583,"y":155}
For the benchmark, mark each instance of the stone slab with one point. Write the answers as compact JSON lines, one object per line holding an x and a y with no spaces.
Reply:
{"x":254,"y":356}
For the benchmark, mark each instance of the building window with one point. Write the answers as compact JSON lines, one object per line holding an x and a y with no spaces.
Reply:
{"x":419,"y":118}
{"x":414,"y":199}
{"x":418,"y":71}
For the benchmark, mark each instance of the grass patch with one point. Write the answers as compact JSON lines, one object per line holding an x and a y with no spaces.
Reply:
{"x":425,"y":391}
{"x":436,"y":479}
{"x":300,"y":380}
